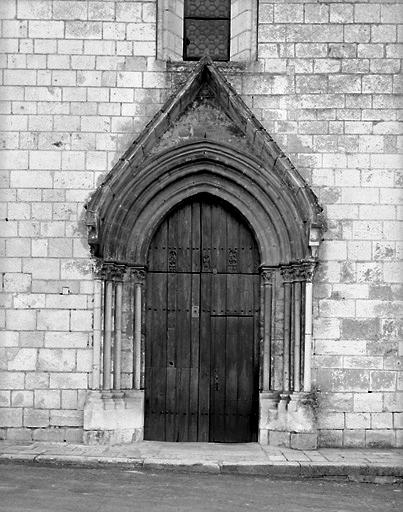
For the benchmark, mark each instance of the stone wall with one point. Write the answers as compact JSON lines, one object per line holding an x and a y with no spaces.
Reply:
{"x":80,"y":81}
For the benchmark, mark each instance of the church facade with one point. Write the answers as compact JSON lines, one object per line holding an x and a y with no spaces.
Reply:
{"x":201,"y":239}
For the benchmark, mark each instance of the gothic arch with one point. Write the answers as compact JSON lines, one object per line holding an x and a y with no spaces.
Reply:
{"x":133,"y":206}
{"x":247,"y":170}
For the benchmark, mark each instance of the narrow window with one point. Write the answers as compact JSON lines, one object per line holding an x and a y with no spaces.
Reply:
{"x":207,"y":29}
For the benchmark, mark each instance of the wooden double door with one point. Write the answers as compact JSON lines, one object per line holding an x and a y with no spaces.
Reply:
{"x":202,"y":318}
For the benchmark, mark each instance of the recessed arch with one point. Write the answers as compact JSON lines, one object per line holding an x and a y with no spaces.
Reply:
{"x":206,"y":197}
{"x":132,"y":205}
{"x":236,"y":162}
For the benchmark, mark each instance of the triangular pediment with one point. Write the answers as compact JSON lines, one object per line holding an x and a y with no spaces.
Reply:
{"x":184,"y":118}
{"x":205,"y":120}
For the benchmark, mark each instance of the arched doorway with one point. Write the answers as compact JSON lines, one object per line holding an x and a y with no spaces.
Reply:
{"x":202,"y":326}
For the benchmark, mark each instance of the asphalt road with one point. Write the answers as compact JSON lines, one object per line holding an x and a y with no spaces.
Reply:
{"x":56,"y":489}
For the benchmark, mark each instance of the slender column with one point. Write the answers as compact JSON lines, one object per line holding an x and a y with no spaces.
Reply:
{"x":298,"y":277}
{"x":287,"y":273}
{"x":309,"y":273}
{"x":267,"y":274}
{"x":117,"y":342}
{"x":96,"y":348}
{"x":138,"y":275}
{"x":297,"y":336}
{"x":107,"y":363}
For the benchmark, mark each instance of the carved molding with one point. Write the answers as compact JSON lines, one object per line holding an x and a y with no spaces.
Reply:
{"x":111,"y":271}
{"x":137,"y":275}
{"x":267,"y":274}
{"x":300,"y":271}
{"x":172,"y":258}
{"x":148,"y":181}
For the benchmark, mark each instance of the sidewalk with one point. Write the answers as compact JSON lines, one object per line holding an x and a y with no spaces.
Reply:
{"x":246,"y":459}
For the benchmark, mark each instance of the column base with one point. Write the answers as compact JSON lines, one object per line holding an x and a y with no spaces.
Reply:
{"x":289,"y":423}
{"x":110,"y":419}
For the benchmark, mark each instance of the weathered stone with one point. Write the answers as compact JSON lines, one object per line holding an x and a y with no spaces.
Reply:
{"x":360,"y":329}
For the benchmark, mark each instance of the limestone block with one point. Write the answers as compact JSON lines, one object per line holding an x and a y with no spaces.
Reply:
{"x":83,"y":30}
{"x":330,"y":438}
{"x":62,"y":339}
{"x":353,"y":438}
{"x":288,"y":13}
{"x":19,"y":434}
{"x":81,"y":320}
{"x":128,"y":11}
{"x":66,"y":418}
{"x":358,"y":421}
{"x":368,"y":402}
{"x":53,"y":434}
{"x":68,"y":380}
{"x":40,"y":9}
{"x":304,"y":441}
{"x":114,"y":420}
{"x":22,"y":398}
{"x":53,"y":320}
{"x":36,"y":418}
{"x":21,"y":320}
{"x":360,"y":329}
{"x":329,"y":420}
{"x":343,"y":379}
{"x":279,"y":438}
{"x":11,"y":417}
{"x":341,"y":13}
{"x":47,"y":399}
{"x":74,"y":9}
{"x":380,"y":438}
{"x":382,"y":420}
{"x":101,"y":10}
{"x":36,"y":380}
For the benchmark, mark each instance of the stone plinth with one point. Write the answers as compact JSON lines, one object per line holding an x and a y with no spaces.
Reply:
{"x":287,"y":420}
{"x":114,"y":418}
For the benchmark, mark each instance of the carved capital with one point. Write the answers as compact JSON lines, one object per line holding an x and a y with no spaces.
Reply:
{"x":118,"y":272}
{"x":289,"y":273}
{"x":138,"y":275}
{"x":110,"y":271}
{"x":267,"y":274}
{"x":299,"y":271}
{"x":307,"y":270}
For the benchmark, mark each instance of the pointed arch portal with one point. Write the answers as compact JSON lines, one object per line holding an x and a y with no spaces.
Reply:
{"x":252,"y":187}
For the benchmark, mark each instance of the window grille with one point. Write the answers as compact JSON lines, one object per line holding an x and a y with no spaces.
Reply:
{"x":207,"y":29}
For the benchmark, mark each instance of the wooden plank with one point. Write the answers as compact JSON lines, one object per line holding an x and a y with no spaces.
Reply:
{"x":204,"y":372}
{"x":183,"y":220}
{"x":248,"y":253}
{"x":218,"y":379}
{"x":233,"y":244}
{"x":194,"y":359}
{"x":206,"y":259}
{"x":196,"y":237}
{"x":218,"y":238}
{"x":183,"y":352}
{"x":231,"y":380}
{"x":246,"y":381}
{"x":157,"y":256}
{"x":171,"y":358}
{"x":155,"y":372}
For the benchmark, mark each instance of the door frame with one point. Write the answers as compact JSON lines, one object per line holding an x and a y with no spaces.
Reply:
{"x":257,"y":318}
{"x":286,"y":219}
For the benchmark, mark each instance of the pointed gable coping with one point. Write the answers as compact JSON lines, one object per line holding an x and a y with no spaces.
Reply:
{"x":264,"y":147}
{"x":206,"y":71}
